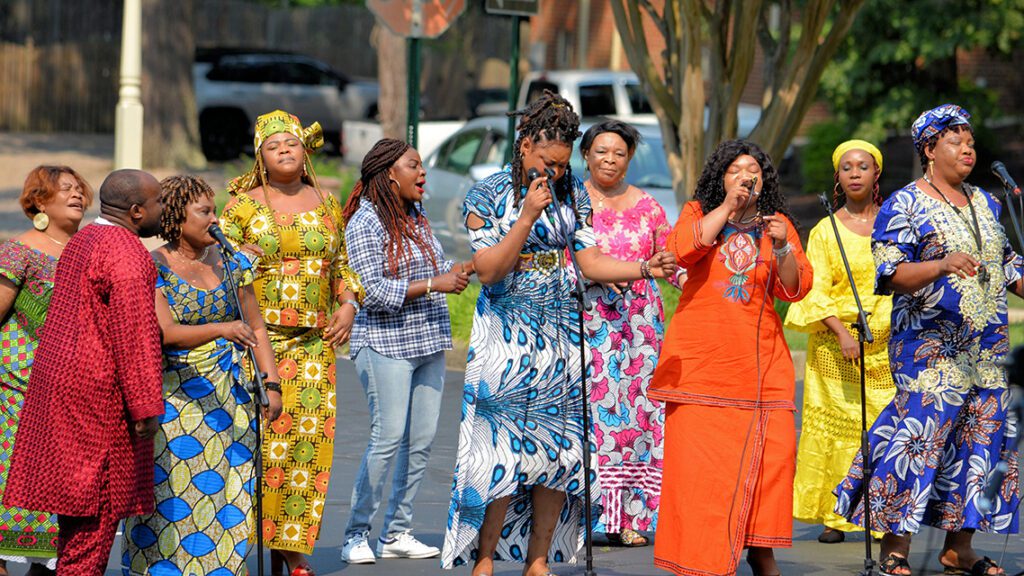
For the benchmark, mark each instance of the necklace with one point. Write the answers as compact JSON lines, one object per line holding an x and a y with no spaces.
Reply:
{"x":972,"y":225}
{"x":858,"y":218}
{"x":200,"y":258}
{"x":54,"y":240}
{"x":600,"y":201}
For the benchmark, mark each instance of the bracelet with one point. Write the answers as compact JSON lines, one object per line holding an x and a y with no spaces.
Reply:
{"x":272,"y":387}
{"x":430,"y":284}
{"x":780,"y":252}
{"x":354,"y":303}
{"x":645,"y":270}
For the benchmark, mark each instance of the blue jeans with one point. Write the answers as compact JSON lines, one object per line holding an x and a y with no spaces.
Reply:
{"x":404,"y":397}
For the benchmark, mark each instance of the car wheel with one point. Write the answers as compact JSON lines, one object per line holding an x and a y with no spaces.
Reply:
{"x":223,"y":133}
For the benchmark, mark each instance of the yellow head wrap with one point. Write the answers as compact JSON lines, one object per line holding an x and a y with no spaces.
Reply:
{"x":845,"y":147}
{"x":267,"y":125}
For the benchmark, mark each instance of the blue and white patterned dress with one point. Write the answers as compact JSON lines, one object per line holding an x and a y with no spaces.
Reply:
{"x":948,"y":426}
{"x":521,"y":417}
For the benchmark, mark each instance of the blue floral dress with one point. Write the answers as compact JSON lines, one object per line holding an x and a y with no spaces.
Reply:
{"x":934,"y":446}
{"x":522,"y":424}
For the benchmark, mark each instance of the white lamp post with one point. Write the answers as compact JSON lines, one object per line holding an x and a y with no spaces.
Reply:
{"x":128,"y":119}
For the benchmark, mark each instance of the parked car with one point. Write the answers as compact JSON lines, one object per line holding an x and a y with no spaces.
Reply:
{"x":234,"y":86}
{"x":477,"y":150}
{"x":617,"y":94}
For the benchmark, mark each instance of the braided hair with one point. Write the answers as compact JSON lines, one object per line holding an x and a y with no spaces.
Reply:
{"x":546,"y":119}
{"x":710,"y":192}
{"x":375,"y":184}
{"x":176,"y":193}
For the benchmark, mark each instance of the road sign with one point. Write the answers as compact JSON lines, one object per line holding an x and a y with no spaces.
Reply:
{"x":417,"y":18}
{"x":525,"y":8}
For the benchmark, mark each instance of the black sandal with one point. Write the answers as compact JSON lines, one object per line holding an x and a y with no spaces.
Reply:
{"x":893,"y":562}
{"x":979,"y":568}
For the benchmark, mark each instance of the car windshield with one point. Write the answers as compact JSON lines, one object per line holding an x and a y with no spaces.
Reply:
{"x":648,"y":169}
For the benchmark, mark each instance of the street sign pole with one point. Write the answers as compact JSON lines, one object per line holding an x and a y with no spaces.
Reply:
{"x":413,"y":66}
{"x":513,"y":88}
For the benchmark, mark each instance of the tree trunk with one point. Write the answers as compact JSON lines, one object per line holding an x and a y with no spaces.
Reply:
{"x":391,"y":74}
{"x":170,"y":122}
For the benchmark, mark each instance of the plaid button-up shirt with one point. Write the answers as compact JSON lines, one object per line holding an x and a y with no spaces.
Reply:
{"x":386,"y":322}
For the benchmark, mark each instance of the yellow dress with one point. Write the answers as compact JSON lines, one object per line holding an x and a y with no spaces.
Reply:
{"x":302,"y":269}
{"x":830,"y":430}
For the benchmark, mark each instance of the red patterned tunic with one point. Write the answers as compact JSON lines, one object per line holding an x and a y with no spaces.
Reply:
{"x":96,"y":370}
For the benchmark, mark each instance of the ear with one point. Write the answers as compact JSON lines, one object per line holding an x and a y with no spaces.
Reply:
{"x":525,"y":146}
{"x":929,"y":153}
{"x":136,"y":212}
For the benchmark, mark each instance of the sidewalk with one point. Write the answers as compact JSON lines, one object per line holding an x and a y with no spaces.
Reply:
{"x":806,"y":558}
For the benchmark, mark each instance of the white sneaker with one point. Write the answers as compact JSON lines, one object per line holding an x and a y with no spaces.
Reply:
{"x":405,"y":545}
{"x":357,"y":550}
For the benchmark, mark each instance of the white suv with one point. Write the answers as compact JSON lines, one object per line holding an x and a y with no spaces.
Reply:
{"x":233,"y":87}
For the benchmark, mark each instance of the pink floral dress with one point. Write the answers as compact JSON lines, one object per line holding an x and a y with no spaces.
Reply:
{"x":624,"y":334}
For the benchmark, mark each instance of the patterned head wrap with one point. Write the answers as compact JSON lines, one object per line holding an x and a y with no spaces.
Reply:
{"x":936,"y":120}
{"x":864,"y":145}
{"x":267,"y":125}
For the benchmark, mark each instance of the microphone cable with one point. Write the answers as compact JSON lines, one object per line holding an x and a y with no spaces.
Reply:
{"x":757,"y":406}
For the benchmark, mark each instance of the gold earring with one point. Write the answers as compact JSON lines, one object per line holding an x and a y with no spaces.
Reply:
{"x":40,"y":221}
{"x":931,"y":168}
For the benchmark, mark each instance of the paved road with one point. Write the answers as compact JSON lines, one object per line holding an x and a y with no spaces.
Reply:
{"x":806,"y":558}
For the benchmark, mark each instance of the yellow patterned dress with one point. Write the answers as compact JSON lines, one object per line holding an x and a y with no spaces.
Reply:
{"x":830,"y":429}
{"x":303,"y":267}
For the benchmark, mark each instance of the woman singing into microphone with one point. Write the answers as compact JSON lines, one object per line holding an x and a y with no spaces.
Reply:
{"x":726,"y":374}
{"x":518,"y":489}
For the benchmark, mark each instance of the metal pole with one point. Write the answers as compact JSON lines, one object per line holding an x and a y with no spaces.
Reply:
{"x":128,"y":115}
{"x":413,"y":65}
{"x":513,"y":87}
{"x":413,"y":90}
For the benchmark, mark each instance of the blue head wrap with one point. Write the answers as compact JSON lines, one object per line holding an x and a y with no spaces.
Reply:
{"x":936,"y":120}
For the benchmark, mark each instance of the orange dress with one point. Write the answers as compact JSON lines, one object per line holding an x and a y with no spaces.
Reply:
{"x":730,"y":449}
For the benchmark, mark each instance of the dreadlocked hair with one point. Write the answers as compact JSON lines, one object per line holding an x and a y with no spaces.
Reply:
{"x":546,"y":119}
{"x":710,"y":192}
{"x":176,"y":193}
{"x":375,"y":185}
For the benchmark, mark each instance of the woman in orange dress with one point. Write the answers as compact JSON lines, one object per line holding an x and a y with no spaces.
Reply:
{"x":726,"y":375}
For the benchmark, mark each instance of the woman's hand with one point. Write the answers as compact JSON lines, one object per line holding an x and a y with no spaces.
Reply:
{"x":737,"y":197}
{"x":238,"y":332}
{"x":453,"y":282}
{"x":339,"y":325}
{"x":273,"y":410}
{"x":663,"y":265}
{"x":849,"y":345}
{"x":537,"y":199}
{"x":147,"y":427}
{"x":963,"y":265}
{"x":776,"y":229}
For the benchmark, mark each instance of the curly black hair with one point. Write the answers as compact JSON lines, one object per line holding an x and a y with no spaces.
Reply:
{"x":710,"y":192}
{"x":548,"y":118}
{"x":930,"y":143}
{"x":176,"y":193}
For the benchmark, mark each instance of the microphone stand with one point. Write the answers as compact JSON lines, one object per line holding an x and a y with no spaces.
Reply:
{"x":582,"y":304}
{"x":256,"y":387}
{"x":863,"y":336}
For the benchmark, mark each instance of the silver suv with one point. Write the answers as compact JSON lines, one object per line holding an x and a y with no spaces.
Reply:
{"x":233,"y":87}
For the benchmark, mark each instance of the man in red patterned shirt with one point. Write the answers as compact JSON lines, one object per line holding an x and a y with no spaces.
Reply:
{"x":85,"y":443}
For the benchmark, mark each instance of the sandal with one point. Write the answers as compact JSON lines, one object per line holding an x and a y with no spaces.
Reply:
{"x":894,"y":562}
{"x":979,"y":568}
{"x":632,"y":539}
{"x":831,"y":536}
{"x":756,"y":573}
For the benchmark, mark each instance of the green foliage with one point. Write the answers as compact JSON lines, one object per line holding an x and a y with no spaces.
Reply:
{"x":816,"y":156}
{"x":900,"y":59}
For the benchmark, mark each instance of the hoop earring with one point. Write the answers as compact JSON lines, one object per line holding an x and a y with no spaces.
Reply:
{"x":40,"y":221}
{"x":395,"y":182}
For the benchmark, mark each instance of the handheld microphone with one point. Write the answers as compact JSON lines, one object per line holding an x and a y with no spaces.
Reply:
{"x":1008,"y":184}
{"x":533,"y":174}
{"x":218,"y":235}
